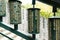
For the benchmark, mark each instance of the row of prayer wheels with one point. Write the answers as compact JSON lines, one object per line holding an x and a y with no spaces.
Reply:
{"x":15,"y":15}
{"x":33,"y":18}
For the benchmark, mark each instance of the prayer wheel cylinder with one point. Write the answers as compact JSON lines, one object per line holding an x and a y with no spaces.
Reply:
{"x":54,"y":28}
{"x":15,"y":12}
{"x":2,"y":8}
{"x":33,"y":20}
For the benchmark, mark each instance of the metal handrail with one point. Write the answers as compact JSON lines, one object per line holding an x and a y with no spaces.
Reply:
{"x":15,"y":31}
{"x":6,"y":36}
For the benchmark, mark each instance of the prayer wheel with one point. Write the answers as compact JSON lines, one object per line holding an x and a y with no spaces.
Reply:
{"x":54,"y":28}
{"x":2,"y":8}
{"x":15,"y":11}
{"x":33,"y":20}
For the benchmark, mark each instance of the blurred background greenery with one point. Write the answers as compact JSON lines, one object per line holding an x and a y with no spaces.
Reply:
{"x":46,"y":10}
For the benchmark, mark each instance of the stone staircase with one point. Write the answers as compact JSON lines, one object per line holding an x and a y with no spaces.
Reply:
{"x":9,"y":34}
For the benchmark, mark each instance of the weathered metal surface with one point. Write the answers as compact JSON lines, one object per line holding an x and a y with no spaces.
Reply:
{"x":33,"y":20}
{"x":54,"y":29}
{"x":2,"y":8}
{"x":15,"y":12}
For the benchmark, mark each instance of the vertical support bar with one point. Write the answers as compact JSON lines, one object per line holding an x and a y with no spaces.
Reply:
{"x":33,"y":6}
{"x":15,"y":26}
{"x":34,"y":26}
{"x":53,"y":32}
{"x":34,"y":36}
{"x":54,"y":9}
{"x":33,"y":2}
{"x":1,"y":19}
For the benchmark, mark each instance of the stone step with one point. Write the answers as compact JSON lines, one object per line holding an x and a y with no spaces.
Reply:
{"x":7,"y":33}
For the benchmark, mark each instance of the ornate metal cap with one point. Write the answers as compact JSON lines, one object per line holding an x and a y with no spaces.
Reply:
{"x":15,"y":1}
{"x":33,"y":9}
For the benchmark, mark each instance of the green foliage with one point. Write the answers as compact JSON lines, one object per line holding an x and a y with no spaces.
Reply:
{"x":46,"y":10}
{"x":58,"y":12}
{"x":46,"y":14}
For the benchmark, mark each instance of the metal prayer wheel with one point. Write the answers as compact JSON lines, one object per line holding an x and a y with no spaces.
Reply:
{"x":15,"y":12}
{"x":54,"y":28}
{"x":33,"y":20}
{"x":2,"y":8}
